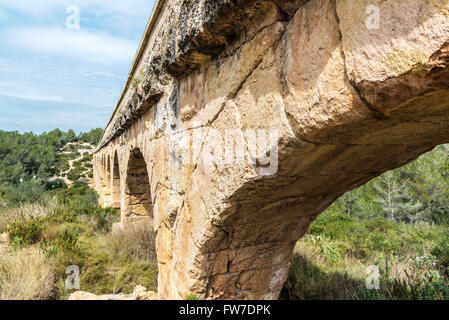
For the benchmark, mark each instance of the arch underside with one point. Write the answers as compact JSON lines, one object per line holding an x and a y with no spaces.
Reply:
{"x":225,"y":231}
{"x":116,"y":199}
{"x":137,"y":198}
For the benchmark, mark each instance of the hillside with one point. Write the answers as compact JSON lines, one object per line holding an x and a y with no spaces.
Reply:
{"x":74,"y":163}
{"x":40,"y":157}
{"x":50,"y":219}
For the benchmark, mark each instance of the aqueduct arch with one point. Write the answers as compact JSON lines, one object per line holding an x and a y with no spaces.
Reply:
{"x":343,"y":100}
{"x":137,"y":206}
{"x":115,"y":185}
{"x":107,"y":182}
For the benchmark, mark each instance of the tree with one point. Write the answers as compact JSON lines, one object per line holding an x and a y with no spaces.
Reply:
{"x":395,"y":199}
{"x":93,"y":136}
{"x":71,"y":136}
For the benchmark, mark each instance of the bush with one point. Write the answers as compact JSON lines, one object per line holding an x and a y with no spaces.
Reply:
{"x":330,"y":261}
{"x":441,"y":252}
{"x":191,"y":296}
{"x":30,"y":191}
{"x":104,"y":219}
{"x":55,"y":185}
{"x":68,"y":239}
{"x":25,"y":233}
{"x":74,"y":174}
{"x":79,"y":197}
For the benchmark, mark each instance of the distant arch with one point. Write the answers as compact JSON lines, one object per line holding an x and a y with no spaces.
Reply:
{"x":108,"y":169}
{"x":138,"y":205}
{"x":103,"y":170}
{"x":115,"y":184}
{"x":107,"y":183}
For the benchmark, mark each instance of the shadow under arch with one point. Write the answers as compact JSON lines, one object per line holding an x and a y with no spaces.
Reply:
{"x":137,"y":207}
{"x":115,"y":184}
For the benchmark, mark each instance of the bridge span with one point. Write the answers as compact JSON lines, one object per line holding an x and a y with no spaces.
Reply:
{"x":243,"y":120}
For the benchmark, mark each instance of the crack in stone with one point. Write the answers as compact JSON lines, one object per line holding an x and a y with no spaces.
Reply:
{"x":376,"y":113}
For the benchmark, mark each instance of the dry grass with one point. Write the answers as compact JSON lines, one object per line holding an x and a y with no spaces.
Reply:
{"x":25,"y":212}
{"x":26,"y":274}
{"x":134,"y":243}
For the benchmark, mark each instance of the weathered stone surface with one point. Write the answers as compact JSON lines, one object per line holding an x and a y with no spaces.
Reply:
{"x":403,"y":60}
{"x":344,"y":103}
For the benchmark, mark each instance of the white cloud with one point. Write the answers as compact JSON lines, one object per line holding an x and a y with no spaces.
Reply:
{"x":42,"y":60}
{"x":22,"y":91}
{"x":92,"y":74}
{"x":77,"y":44}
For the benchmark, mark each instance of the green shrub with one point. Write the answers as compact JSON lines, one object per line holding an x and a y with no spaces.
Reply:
{"x":48,"y":249}
{"x":441,"y":252}
{"x":30,"y":191}
{"x":55,"y":185}
{"x":68,"y":239}
{"x":330,"y":251}
{"x":102,"y":223}
{"x":330,"y":261}
{"x":191,"y":296}
{"x":24,"y":233}
{"x":74,"y":174}
{"x":79,"y":197}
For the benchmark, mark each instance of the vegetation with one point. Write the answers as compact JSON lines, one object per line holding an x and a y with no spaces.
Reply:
{"x":335,"y":264}
{"x":191,"y":296}
{"x":52,"y":226}
{"x":29,"y":156}
{"x":67,"y":227}
{"x":397,"y":222}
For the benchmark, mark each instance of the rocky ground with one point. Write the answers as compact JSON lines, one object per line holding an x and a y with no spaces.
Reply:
{"x":140,"y":293}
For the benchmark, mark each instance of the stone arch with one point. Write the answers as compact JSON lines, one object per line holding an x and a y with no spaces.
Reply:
{"x":101,"y":178}
{"x":107,"y":183}
{"x":103,"y":166}
{"x":115,"y":184}
{"x":104,"y":175}
{"x":108,"y":169}
{"x":345,"y":119}
{"x":138,"y":207}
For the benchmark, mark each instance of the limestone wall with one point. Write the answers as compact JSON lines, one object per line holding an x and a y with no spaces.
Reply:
{"x":252,"y":117}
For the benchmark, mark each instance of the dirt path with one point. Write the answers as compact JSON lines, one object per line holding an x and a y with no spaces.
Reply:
{"x":88,"y":148}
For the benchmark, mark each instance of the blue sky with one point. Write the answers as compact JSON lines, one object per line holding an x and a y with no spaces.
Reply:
{"x":54,"y":76}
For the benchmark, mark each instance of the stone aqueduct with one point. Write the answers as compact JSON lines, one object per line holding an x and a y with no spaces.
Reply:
{"x":347,"y":99}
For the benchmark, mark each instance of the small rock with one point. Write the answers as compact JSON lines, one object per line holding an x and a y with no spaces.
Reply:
{"x":140,"y":293}
{"x":4,"y":238}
